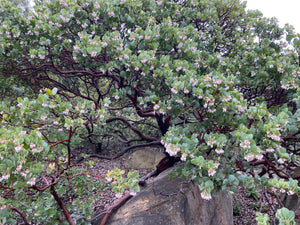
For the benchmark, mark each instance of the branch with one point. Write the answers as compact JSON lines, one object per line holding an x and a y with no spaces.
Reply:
{"x":61,"y":205}
{"x":292,"y":136}
{"x":57,"y":143}
{"x":136,"y":130}
{"x":7,"y":193}
{"x":115,"y":206}
{"x":44,"y":188}
{"x":21,"y":214}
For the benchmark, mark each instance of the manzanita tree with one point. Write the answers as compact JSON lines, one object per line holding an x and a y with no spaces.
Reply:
{"x":216,"y":85}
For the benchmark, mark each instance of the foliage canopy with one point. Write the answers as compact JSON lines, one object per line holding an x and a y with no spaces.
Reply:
{"x":216,"y":85}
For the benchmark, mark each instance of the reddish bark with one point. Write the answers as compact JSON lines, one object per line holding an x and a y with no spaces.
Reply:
{"x":62,"y":206}
{"x":115,"y":206}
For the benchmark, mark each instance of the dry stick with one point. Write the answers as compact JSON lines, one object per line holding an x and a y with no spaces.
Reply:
{"x":115,"y":206}
{"x":61,"y":205}
{"x":21,"y":214}
{"x":269,"y":202}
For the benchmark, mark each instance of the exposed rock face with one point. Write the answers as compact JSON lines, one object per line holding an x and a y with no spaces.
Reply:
{"x":174,"y":202}
{"x":144,"y":159}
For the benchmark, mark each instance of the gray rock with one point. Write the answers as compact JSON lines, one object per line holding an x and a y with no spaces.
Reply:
{"x":144,"y":159}
{"x":174,"y":202}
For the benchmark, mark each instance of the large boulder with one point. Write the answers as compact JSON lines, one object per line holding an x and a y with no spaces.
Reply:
{"x":174,"y":202}
{"x":144,"y":159}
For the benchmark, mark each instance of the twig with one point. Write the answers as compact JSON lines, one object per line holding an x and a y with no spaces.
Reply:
{"x":269,"y":202}
{"x":21,"y":214}
{"x":7,"y":193}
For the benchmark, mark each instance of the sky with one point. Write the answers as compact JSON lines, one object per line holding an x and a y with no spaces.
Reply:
{"x":286,"y":11}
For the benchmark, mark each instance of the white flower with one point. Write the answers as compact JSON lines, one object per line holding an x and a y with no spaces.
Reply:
{"x":282,"y":190}
{"x":156,"y":107}
{"x":76,"y":48}
{"x":211,"y":143}
{"x":171,"y":149}
{"x":66,"y":111}
{"x":43,"y":117}
{"x":280,"y":70}
{"x":193,"y":81}
{"x":259,"y":156}
{"x":93,"y":53}
{"x":249,"y":157}
{"x":118,"y":195}
{"x":5,"y":177}
{"x":211,"y":172}
{"x":183,"y":156}
{"x":109,"y":179}
{"x":96,"y":5}
{"x":111,"y":13}
{"x":31,"y":181}
{"x":37,"y":150}
{"x":84,"y":25}
{"x":103,"y":44}
{"x":205,"y":195}
{"x":24,"y":174}
{"x":186,"y":91}
{"x":179,"y":101}
{"x":245,"y":144}
{"x":270,"y":150}
{"x":174,"y":90}
{"x":19,"y":167}
{"x":219,"y":151}
{"x":18,"y":148}
{"x":144,"y":60}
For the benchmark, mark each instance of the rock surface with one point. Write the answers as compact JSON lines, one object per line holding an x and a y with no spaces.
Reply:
{"x":173,"y":202}
{"x":144,"y":159}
